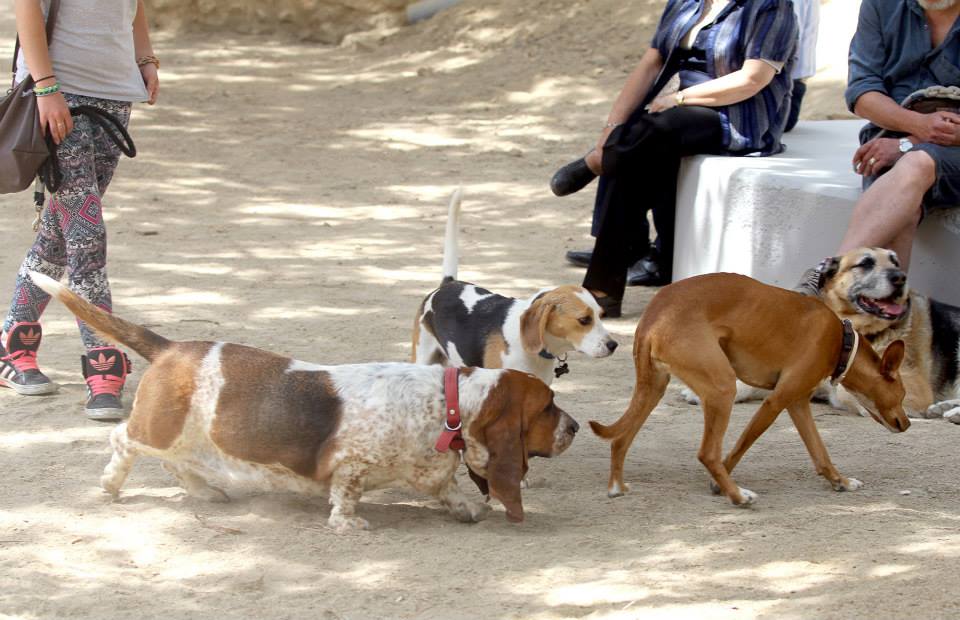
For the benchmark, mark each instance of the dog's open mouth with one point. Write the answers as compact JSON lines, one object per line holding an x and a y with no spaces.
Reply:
{"x":887,"y":308}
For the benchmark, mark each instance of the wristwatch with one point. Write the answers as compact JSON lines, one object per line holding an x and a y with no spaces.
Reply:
{"x":905,"y":145}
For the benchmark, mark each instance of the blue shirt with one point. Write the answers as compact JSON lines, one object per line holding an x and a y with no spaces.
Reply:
{"x":744,"y":30}
{"x":891,"y":52}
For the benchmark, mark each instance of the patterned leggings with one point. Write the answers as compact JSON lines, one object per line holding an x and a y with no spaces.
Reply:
{"x":72,"y":236}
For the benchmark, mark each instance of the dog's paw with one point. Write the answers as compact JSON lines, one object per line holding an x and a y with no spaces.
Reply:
{"x":749,"y":497}
{"x":715,"y":488}
{"x":342,"y":525}
{"x":846,"y":484}
{"x":943,"y":409}
{"x":617,"y":489}
{"x":953,"y":415}
{"x":470,"y":512}
{"x":689,"y":396}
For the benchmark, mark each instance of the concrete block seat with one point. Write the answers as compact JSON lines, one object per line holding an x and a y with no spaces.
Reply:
{"x":773,"y":217}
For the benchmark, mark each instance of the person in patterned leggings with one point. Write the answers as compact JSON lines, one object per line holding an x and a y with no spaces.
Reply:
{"x":82,"y":70}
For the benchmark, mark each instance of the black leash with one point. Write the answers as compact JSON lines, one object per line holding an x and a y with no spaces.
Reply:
{"x":49,"y":177}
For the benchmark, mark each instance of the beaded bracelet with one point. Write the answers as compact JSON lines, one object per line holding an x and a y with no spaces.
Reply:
{"x":44,"y":91}
{"x":148,"y":60}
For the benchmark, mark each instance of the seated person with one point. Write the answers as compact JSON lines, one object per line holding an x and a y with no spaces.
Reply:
{"x":734,"y":60}
{"x":901,"y":46}
{"x":808,"y":22}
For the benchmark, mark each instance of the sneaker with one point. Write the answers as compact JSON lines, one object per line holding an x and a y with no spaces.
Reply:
{"x":18,"y":361}
{"x":105,"y":370}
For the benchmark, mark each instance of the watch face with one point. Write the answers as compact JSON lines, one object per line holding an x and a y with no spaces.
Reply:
{"x":905,"y":145}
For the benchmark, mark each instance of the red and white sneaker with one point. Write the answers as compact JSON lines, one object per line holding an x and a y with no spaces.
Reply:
{"x":105,"y":370}
{"x":18,"y":361}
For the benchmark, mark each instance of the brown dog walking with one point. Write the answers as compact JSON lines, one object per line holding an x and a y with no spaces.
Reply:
{"x":711,"y":330}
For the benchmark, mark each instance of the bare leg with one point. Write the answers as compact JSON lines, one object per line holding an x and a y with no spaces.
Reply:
{"x":889,"y":211}
{"x":803,"y":420}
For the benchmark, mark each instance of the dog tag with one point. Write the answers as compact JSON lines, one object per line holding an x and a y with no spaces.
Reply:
{"x":561,"y":370}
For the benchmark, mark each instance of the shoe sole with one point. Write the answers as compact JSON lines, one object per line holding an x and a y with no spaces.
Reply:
{"x":106,"y":415}
{"x":39,"y":389}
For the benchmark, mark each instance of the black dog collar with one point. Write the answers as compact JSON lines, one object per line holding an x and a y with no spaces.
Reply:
{"x":848,"y":351}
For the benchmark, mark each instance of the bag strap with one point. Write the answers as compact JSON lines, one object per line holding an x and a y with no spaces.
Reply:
{"x":51,"y":21}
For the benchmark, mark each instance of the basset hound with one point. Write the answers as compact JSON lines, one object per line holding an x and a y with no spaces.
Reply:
{"x":460,"y":324}
{"x":227,"y":416}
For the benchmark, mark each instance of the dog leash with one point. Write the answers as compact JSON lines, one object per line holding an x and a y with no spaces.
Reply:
{"x":49,"y":177}
{"x":848,"y":352}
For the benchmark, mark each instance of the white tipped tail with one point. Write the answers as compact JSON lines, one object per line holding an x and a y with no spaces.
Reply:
{"x":451,"y":238}
{"x":115,"y":329}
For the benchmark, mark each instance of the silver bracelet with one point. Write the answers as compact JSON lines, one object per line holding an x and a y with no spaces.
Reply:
{"x":612,"y":125}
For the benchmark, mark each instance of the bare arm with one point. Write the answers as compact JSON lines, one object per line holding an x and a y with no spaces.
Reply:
{"x":142,"y":47}
{"x":727,"y":90}
{"x":54,"y":113}
{"x":634,"y":91}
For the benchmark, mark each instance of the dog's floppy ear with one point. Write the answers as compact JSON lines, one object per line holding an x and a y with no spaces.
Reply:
{"x":533,"y":324}
{"x":892,"y":358}
{"x":828,"y":268}
{"x":500,"y":428}
{"x":508,"y":461}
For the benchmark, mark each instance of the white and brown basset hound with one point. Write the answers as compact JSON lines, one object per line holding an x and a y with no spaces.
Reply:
{"x":231,"y":416}
{"x":460,"y":324}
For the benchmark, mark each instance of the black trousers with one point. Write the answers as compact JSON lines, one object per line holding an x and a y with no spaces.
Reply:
{"x":641,"y":160}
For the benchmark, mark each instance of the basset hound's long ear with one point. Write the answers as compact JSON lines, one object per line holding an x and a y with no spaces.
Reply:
{"x":500,"y":429}
{"x":828,"y":268}
{"x":508,"y":462}
{"x":533,"y":324}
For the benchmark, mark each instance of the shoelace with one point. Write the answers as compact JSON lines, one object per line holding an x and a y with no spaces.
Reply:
{"x":105,"y":384}
{"x":22,"y":360}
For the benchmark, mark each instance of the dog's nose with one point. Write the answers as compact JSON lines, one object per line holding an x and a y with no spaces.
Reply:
{"x":573,"y":428}
{"x":897,"y":278}
{"x":612,"y":345}
{"x":902,"y":424}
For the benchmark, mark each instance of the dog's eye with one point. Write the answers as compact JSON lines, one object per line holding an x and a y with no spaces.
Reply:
{"x":894,"y":260}
{"x":585,"y":320}
{"x":867,"y":263}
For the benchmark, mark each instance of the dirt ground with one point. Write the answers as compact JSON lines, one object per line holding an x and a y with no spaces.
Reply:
{"x":292,"y":197}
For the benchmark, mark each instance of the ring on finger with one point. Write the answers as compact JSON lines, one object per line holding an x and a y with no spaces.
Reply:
{"x":873,"y":161}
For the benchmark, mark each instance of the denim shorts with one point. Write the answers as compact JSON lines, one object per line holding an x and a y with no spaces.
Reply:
{"x":945,"y":191}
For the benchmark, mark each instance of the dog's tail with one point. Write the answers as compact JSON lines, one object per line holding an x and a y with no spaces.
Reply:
{"x":605,"y":432}
{"x":148,"y":344}
{"x":451,"y":238}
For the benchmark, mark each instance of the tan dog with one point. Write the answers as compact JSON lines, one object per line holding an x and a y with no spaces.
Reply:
{"x":711,"y":330}
{"x":230,"y":416}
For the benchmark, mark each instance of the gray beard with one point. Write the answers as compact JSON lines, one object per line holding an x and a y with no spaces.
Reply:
{"x":936,"y":5}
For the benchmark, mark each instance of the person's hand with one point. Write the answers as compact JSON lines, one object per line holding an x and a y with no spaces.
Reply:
{"x":876,"y":155}
{"x":55,"y":118}
{"x":663,"y":102}
{"x":151,"y":80}
{"x":938,"y":128}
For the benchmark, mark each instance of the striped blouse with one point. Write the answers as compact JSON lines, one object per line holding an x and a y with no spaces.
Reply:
{"x":745,"y":29}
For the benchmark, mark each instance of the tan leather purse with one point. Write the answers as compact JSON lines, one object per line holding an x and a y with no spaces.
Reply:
{"x":23,"y":148}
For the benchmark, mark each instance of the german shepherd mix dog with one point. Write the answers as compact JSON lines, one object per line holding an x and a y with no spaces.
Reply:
{"x":868,"y":287}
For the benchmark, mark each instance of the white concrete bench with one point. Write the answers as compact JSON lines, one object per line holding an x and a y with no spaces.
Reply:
{"x":773,"y":217}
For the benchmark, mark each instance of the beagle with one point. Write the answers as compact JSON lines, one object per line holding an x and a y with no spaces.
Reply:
{"x":223,"y":415}
{"x":460,"y":324}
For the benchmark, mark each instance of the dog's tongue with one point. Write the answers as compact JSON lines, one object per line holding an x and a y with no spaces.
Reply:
{"x":893,"y":309}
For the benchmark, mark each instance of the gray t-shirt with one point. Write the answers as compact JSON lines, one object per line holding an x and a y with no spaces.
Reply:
{"x":92,"y":50}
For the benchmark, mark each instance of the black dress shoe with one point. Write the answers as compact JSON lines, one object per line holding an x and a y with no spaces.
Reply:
{"x":571,"y":178}
{"x":610,"y":307}
{"x":579,"y":258}
{"x":647,"y":272}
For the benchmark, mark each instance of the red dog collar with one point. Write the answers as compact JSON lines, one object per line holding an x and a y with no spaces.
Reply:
{"x":451,"y":437}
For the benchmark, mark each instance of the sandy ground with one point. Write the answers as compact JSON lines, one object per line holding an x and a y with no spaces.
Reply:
{"x":292,"y":197}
